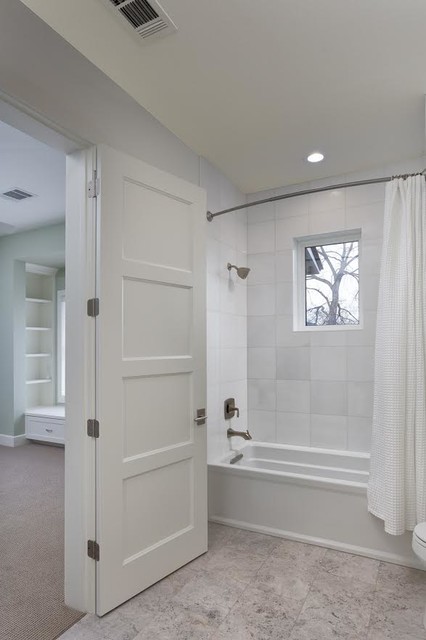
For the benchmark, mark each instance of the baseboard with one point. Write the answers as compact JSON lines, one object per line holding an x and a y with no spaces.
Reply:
{"x":321,"y":542}
{"x":12,"y":441}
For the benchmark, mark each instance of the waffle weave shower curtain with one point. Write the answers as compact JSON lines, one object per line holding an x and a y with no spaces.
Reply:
{"x":397,"y":487}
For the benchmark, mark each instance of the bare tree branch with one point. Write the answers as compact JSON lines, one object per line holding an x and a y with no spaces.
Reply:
{"x":321,"y":293}
{"x":336,"y":261}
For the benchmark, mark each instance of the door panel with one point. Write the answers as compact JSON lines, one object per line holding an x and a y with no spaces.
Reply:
{"x":147,"y":330}
{"x":150,"y":391}
{"x":151,"y":455}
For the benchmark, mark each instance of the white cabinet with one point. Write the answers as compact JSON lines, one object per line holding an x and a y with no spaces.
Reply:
{"x":46,"y":424}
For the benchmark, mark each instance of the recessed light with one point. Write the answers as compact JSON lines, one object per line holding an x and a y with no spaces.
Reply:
{"x":316,"y":156}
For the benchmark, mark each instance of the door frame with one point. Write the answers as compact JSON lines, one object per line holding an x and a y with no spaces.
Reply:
{"x":80,"y":265}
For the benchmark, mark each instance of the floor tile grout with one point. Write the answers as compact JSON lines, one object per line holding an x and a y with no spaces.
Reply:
{"x":342,"y":589}
{"x":309,"y":591}
{"x":242,"y":593}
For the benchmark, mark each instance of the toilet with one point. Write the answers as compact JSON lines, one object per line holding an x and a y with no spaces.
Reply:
{"x":419,"y":548}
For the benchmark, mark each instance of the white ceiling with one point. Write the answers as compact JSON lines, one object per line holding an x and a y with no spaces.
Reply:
{"x":30,"y":165}
{"x":255,"y":86}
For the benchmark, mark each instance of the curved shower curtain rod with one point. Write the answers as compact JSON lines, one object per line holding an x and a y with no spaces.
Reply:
{"x":211,"y":216}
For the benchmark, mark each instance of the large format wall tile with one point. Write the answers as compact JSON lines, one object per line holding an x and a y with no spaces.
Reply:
{"x":324,"y":378}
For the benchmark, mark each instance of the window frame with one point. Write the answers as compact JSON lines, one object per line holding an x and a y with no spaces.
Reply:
{"x":299,"y":282}
{"x":60,"y":298}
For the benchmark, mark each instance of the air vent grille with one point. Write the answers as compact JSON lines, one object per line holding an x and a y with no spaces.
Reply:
{"x":147,"y":19}
{"x":139,"y":12}
{"x":16,"y":194}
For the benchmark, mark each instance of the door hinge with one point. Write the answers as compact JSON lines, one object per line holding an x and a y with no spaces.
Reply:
{"x":93,"y":550}
{"x":93,"y":307}
{"x":93,"y":428}
{"x":93,"y":186}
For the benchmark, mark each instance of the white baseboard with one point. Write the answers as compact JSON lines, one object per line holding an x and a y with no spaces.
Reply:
{"x":12,"y":441}
{"x":321,"y":542}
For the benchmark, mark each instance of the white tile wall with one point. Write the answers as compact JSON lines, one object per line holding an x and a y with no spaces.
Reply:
{"x":226,"y":311}
{"x":360,"y":399}
{"x":293,"y":428}
{"x":359,"y":434}
{"x":263,"y":424}
{"x":329,"y":432}
{"x":360,"y":363}
{"x":262,"y":300}
{"x":289,"y":228}
{"x":293,"y":207}
{"x":262,"y":395}
{"x":329,"y":398}
{"x":261,"y":239}
{"x":293,"y":363}
{"x":284,"y":298}
{"x":261,"y":363}
{"x":262,"y":267}
{"x":286,"y":337}
{"x":328,"y":363}
{"x":293,"y":396}
{"x":284,"y":266}
{"x":323,"y":393}
{"x":261,"y":331}
{"x":303,"y":388}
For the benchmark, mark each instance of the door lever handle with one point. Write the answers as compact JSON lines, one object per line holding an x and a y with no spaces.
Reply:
{"x":201,"y":417}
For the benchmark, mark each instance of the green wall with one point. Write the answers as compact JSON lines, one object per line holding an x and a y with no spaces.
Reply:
{"x":40,"y":246}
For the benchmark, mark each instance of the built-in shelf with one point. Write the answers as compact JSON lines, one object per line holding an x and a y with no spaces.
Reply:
{"x":38,"y":355}
{"x":38,"y":300}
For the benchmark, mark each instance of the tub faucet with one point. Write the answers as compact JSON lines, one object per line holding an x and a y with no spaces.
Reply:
{"x":243,"y":434}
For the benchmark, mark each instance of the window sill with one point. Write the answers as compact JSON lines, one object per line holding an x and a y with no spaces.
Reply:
{"x":323,"y":328}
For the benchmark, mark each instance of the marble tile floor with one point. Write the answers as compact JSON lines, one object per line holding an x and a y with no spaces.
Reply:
{"x":256,"y":587}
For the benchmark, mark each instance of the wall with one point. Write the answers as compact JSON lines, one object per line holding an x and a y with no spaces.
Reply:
{"x":71,"y":92}
{"x":104,"y":113}
{"x":60,"y":280}
{"x":40,"y":245}
{"x":59,"y":286}
{"x":226,"y":304}
{"x":226,"y":310}
{"x":312,"y":388}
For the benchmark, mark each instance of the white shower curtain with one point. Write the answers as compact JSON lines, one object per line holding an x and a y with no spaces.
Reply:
{"x":397,"y":487}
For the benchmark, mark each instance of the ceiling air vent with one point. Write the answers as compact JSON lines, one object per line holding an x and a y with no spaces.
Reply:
{"x":147,"y":19}
{"x":16,"y":194}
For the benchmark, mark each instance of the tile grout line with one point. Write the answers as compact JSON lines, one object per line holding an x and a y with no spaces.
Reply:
{"x":309,"y":591}
{"x":374,"y":597}
{"x":241,"y":594}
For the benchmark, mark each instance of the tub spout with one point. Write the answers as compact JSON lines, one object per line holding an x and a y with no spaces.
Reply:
{"x":242,"y":434}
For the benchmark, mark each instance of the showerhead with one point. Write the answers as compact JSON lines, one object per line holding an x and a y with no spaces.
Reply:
{"x":242,"y":272}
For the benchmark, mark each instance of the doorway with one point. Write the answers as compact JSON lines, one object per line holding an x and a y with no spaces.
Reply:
{"x":33,"y":391}
{"x":146,"y":261}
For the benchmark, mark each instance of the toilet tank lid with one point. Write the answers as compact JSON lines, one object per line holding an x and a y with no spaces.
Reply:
{"x":420,"y":531}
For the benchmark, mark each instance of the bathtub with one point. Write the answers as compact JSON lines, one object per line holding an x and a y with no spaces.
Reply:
{"x":318,"y":496}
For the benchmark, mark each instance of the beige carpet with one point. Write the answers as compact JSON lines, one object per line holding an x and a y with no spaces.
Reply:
{"x":31,"y":544}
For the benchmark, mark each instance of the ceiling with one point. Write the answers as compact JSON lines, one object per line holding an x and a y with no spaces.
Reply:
{"x":28,"y":164}
{"x":256,"y":86}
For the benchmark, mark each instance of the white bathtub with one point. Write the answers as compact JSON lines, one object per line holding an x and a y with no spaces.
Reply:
{"x":312,"y":495}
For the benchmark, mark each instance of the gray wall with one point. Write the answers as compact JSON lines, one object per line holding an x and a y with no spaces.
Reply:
{"x":38,"y":246}
{"x":65,"y":87}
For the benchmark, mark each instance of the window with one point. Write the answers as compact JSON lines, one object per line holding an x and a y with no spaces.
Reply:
{"x":328,"y":281}
{"x":60,"y":324}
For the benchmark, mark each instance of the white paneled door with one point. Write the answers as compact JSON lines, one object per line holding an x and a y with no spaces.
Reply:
{"x":151,"y":453}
